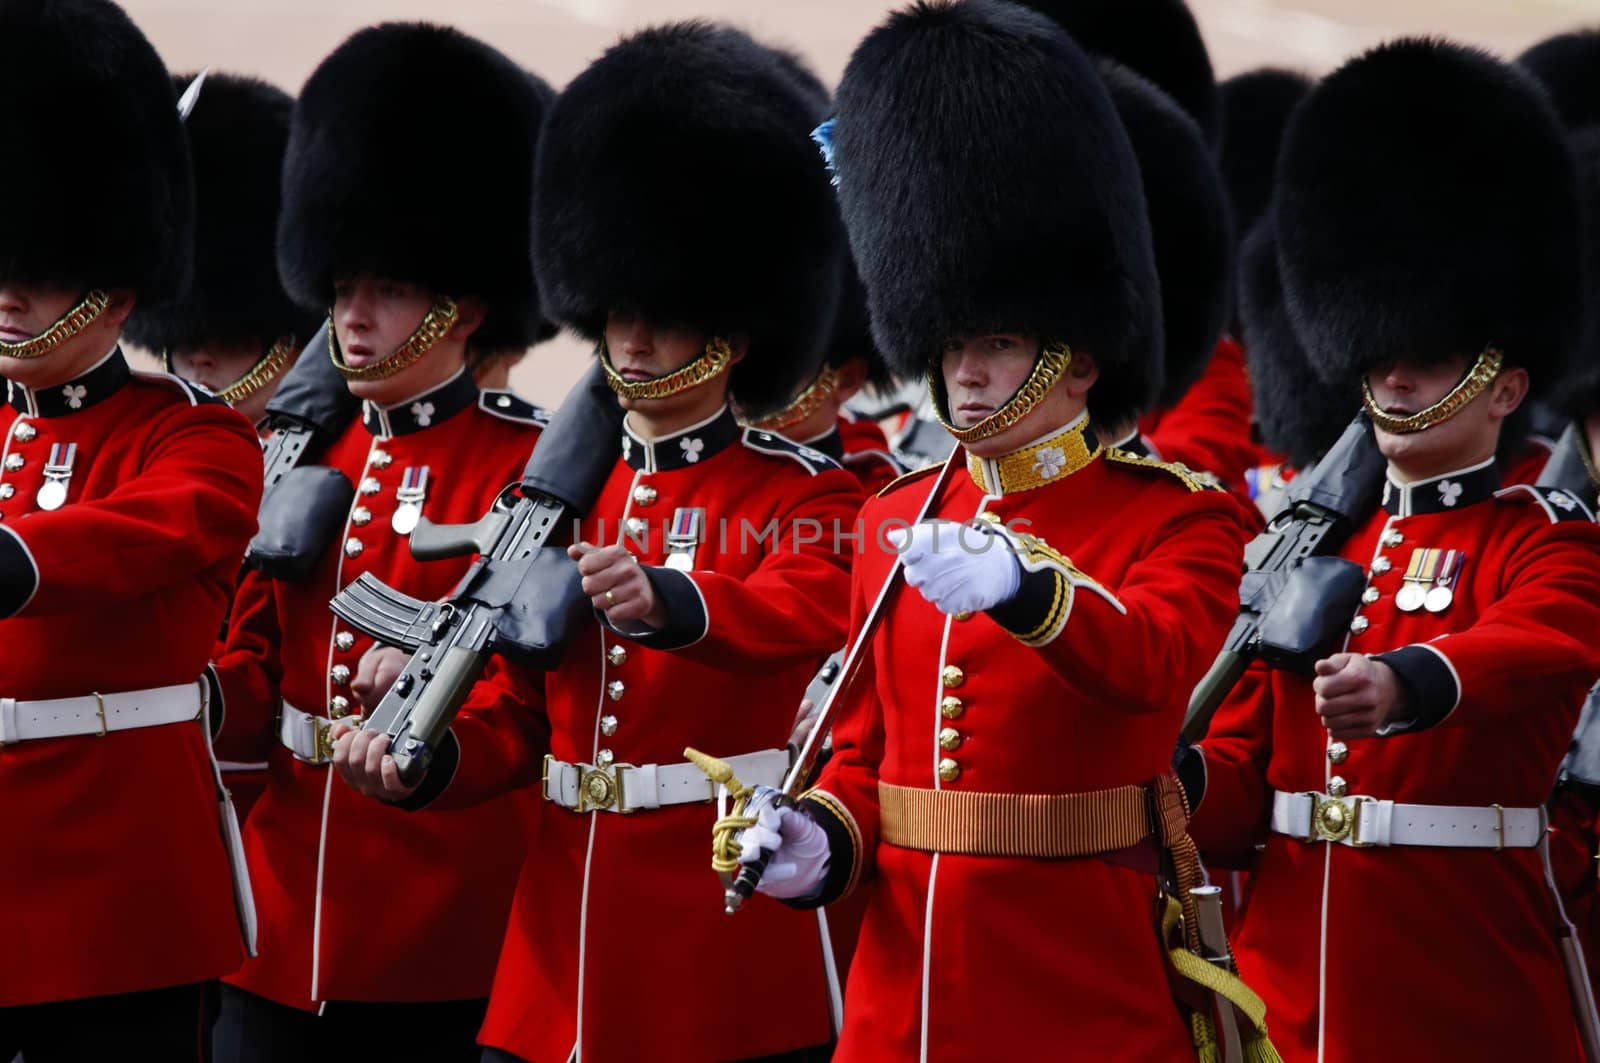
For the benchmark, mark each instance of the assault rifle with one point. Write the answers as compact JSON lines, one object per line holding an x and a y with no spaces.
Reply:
{"x":522,"y":598}
{"x":1295,"y":600}
{"x":303,"y":504}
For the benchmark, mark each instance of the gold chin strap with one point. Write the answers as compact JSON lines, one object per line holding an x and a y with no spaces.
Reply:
{"x":440,"y":319}
{"x":804,"y":405}
{"x":263,"y":372}
{"x":708,"y":365}
{"x":1479,"y":377}
{"x":67,"y":326}
{"x":1047,"y":370}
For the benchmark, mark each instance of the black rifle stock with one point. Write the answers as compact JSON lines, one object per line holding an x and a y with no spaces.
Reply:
{"x":303,"y":505}
{"x":521,"y":598}
{"x":1322,"y":507}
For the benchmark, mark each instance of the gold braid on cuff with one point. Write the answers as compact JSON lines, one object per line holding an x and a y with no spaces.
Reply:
{"x":440,"y":319}
{"x":67,"y":326}
{"x":709,"y":364}
{"x":263,"y":372}
{"x":1480,"y":376}
{"x":804,"y":405}
{"x":1047,"y":370}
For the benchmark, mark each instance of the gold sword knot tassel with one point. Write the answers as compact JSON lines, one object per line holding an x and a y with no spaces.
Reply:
{"x":724,"y":833}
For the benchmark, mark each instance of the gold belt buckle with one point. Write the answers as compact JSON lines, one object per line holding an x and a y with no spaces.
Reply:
{"x":324,"y":744}
{"x":601,"y":788}
{"x":1331,"y":820}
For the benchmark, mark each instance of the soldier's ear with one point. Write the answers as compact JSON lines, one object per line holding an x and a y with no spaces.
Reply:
{"x":851,"y":376}
{"x":119,"y":305}
{"x":1081,"y":374}
{"x":470,"y":312}
{"x":740,"y":344}
{"x":1507,"y":392}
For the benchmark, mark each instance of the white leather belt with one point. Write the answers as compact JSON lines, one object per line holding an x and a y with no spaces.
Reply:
{"x":1366,"y":821}
{"x":632,"y":787}
{"x":308,"y":737}
{"x":99,"y":714}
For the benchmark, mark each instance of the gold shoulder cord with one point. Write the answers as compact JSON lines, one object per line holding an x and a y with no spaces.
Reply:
{"x":1047,"y":370}
{"x":440,"y":319}
{"x":263,"y":372}
{"x":67,"y":326}
{"x":804,"y":405}
{"x":1479,"y":377}
{"x":710,"y":363}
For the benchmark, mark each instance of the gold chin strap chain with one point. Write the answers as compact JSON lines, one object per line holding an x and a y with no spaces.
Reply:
{"x":1479,"y":377}
{"x":709,"y":364}
{"x":1047,"y":370}
{"x":440,"y":319}
{"x":67,"y":326}
{"x":263,"y":372}
{"x":804,"y":405}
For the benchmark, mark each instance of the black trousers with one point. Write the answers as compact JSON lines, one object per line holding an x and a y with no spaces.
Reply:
{"x":251,"y":1029}
{"x":156,"y":1024}
{"x":819,"y":1054}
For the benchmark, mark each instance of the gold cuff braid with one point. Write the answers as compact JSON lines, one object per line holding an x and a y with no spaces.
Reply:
{"x":262,"y":373}
{"x":709,"y":364}
{"x":1047,"y":370}
{"x":1479,"y":377}
{"x":440,"y":319}
{"x":91,"y":306}
{"x":804,"y":405}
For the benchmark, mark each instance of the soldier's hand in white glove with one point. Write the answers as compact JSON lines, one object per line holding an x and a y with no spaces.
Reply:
{"x":960,"y":568}
{"x":799,"y":848}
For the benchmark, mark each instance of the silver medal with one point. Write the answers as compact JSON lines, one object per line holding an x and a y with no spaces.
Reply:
{"x":52,"y":494}
{"x":404,"y":521}
{"x":1439,"y":599}
{"x":1411,"y":598}
{"x":413,"y":489}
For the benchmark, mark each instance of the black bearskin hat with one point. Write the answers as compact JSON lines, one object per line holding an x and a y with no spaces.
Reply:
{"x":1579,"y":395}
{"x":1188,"y":225}
{"x":1569,"y":66}
{"x":1157,"y":39}
{"x":1255,"y":109}
{"x":1296,"y":414}
{"x":237,"y":133}
{"x":1428,"y":207}
{"x":677,"y":180}
{"x":97,"y":168}
{"x":987,"y":184}
{"x":411,"y":158}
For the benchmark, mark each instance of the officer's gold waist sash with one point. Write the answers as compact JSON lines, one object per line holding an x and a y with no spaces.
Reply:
{"x":1051,"y":826}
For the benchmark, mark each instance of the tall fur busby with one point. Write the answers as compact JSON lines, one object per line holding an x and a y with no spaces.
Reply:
{"x":1428,"y":207}
{"x":1568,"y":65}
{"x":1297,"y":415}
{"x":987,"y":184}
{"x":677,"y":180}
{"x":1579,"y":394}
{"x":411,"y":158}
{"x":852,"y":331}
{"x":1157,"y":39}
{"x":97,"y":174}
{"x":1255,"y":109}
{"x":1189,"y":227}
{"x":237,"y":133}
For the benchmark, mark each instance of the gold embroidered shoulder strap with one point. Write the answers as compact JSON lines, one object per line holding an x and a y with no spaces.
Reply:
{"x":1194,"y":481}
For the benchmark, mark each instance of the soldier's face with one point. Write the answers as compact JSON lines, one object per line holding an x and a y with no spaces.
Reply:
{"x":1404,"y":388}
{"x":372,"y":316}
{"x":26,"y":310}
{"x":642,"y":350}
{"x":217,"y":365}
{"x":982,"y":372}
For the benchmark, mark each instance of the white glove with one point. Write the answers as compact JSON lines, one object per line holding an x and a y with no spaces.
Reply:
{"x":799,"y":848}
{"x":960,"y":568}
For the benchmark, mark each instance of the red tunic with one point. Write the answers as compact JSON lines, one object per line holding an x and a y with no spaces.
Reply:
{"x":113,"y":876}
{"x":331,"y":867}
{"x":866,"y":453}
{"x":1410,"y":952}
{"x":968,"y":957}
{"x":618,"y":944}
{"x":1209,"y":428}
